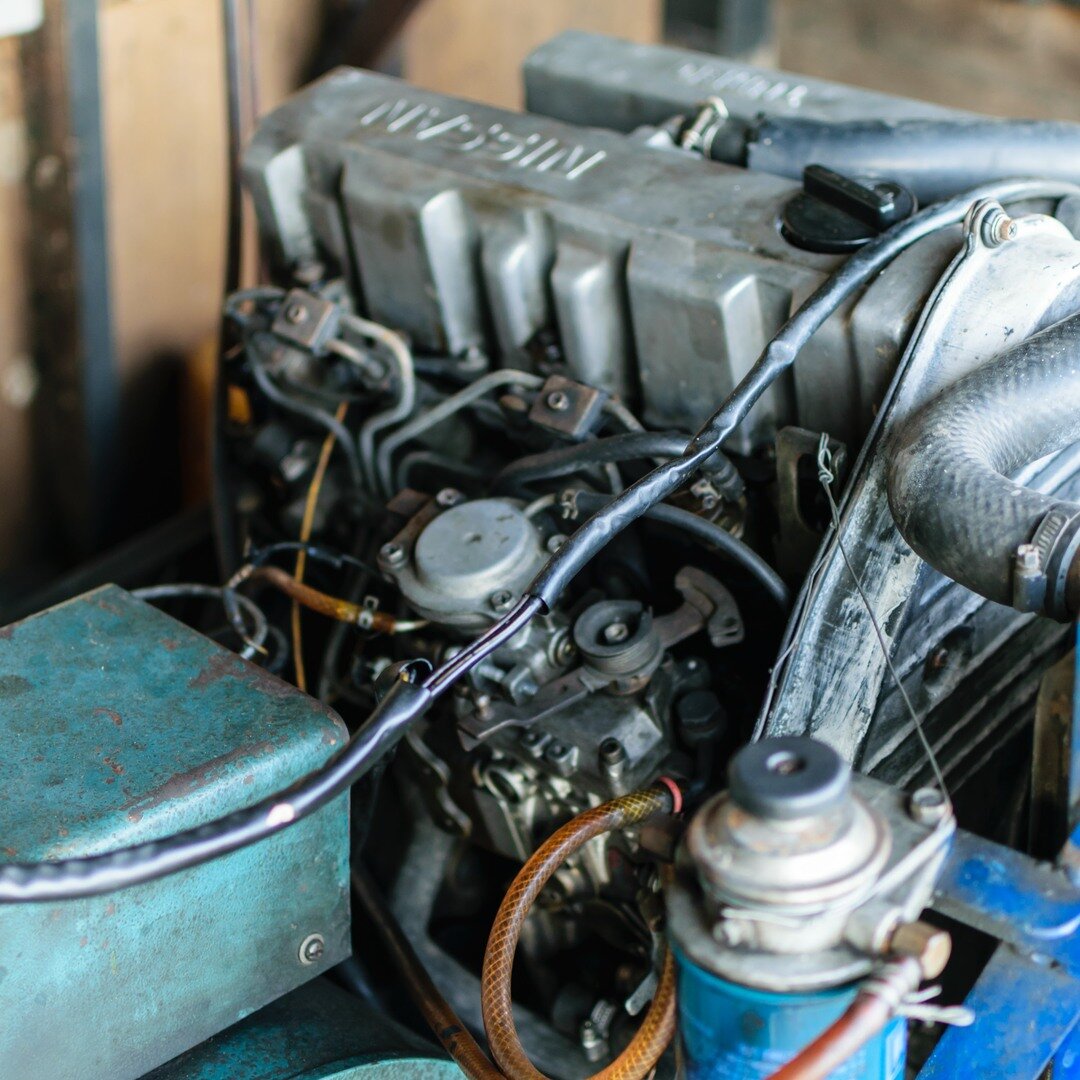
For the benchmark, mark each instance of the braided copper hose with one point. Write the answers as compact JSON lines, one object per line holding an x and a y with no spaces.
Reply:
{"x":658,"y":1027}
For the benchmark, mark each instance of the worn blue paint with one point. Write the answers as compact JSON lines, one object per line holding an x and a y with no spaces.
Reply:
{"x":318,"y":1032}
{"x":1028,"y":904}
{"x":731,"y":1032}
{"x":119,"y":724}
{"x":1024,"y":1010}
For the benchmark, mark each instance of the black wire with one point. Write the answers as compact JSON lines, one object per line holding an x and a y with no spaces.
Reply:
{"x":406,"y":702}
{"x":709,"y":533}
{"x":614,"y":449}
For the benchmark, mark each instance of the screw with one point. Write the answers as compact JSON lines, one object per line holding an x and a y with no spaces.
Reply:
{"x":928,"y":806}
{"x":616,"y":632}
{"x":312,"y":949}
{"x":558,"y":401}
{"x":392,"y":554}
{"x":296,"y":314}
{"x":502,"y":600}
{"x":449,"y":497}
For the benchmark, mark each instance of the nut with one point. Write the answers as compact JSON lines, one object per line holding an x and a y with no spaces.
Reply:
{"x":928,"y":806}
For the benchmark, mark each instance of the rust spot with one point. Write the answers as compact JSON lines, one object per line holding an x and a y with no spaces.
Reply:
{"x":62,"y":831}
{"x":104,"y":604}
{"x":10,"y":852}
{"x":114,"y":765}
{"x":186,"y":783}
{"x":83,"y":942}
{"x":113,"y":716}
{"x":223,"y":665}
{"x":14,"y":685}
{"x":110,"y":909}
{"x":170,"y":644}
{"x":56,"y":914}
{"x":250,"y":778}
{"x":6,"y":632}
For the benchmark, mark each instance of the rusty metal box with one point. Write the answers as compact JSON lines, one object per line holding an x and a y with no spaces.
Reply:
{"x":119,"y":724}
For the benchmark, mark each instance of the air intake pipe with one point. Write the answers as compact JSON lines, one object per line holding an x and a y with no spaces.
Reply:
{"x":949,"y":486}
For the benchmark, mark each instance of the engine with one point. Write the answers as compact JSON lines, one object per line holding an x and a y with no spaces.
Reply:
{"x":565,"y":453}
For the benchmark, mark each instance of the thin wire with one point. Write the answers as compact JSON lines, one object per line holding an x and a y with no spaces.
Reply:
{"x":306,"y":525}
{"x":827,"y":477}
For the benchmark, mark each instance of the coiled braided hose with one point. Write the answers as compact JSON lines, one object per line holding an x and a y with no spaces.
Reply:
{"x":658,"y":1027}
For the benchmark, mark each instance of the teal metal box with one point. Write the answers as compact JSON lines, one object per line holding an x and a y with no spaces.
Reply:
{"x":118,"y":725}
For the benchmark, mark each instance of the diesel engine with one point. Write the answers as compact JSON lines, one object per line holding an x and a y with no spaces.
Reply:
{"x":665,"y":503}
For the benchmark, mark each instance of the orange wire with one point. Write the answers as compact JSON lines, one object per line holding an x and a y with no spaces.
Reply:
{"x":306,"y":524}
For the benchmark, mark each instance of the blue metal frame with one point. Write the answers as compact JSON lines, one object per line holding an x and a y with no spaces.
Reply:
{"x":1027,"y":999}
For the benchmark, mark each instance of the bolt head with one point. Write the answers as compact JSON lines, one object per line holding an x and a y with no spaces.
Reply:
{"x":448,"y":497}
{"x":612,"y":752}
{"x":503,"y":600}
{"x":312,"y":949}
{"x":558,"y":401}
{"x":616,"y":632}
{"x":296,"y":314}
{"x":392,"y":554}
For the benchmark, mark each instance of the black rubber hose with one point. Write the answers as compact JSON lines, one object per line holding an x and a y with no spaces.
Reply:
{"x":711,"y":535}
{"x":632,"y":446}
{"x":935,"y":159}
{"x":949,"y":485}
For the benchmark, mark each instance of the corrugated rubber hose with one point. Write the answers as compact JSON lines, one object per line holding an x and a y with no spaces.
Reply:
{"x":949,"y":485}
{"x":658,"y":1027}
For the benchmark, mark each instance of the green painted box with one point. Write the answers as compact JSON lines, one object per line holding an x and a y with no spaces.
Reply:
{"x":119,"y":724}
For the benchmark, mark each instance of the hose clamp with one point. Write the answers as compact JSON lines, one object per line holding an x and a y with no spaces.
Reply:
{"x":1041,"y":567}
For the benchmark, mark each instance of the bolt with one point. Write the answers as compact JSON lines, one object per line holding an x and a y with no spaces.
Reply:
{"x":312,"y":949}
{"x":555,"y":542}
{"x":616,"y":632}
{"x":482,"y":703}
{"x":592,"y":1042}
{"x":296,"y":314}
{"x":558,"y":401}
{"x":928,"y":806}
{"x":448,"y":497}
{"x":502,"y":600}
{"x":392,"y":554}
{"x":998,"y":228}
{"x":1027,"y":557}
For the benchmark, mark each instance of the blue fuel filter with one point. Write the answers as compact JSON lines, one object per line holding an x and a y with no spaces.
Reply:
{"x":732,"y":1032}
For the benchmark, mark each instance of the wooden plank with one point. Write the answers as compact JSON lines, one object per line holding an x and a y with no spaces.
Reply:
{"x":475,"y":48}
{"x":17,"y":377}
{"x":994,"y":56}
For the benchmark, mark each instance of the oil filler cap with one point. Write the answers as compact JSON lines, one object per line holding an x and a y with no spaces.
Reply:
{"x":789,"y":777}
{"x":835,"y":213}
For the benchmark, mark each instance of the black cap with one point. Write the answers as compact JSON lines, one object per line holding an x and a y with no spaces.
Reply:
{"x":789,"y":777}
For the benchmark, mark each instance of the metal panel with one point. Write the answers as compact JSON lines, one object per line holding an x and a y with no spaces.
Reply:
{"x":319,"y":1032}
{"x":121,"y":725}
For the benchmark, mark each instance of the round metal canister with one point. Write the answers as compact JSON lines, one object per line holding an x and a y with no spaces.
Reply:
{"x":732,"y":1032}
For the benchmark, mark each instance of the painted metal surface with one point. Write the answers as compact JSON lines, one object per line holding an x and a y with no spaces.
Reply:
{"x":731,"y":1032}
{"x":318,"y":1032}
{"x":119,"y":724}
{"x":1027,"y":904}
{"x":1024,"y":1009}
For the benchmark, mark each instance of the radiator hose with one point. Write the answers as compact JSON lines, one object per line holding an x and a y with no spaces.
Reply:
{"x":949,"y":486}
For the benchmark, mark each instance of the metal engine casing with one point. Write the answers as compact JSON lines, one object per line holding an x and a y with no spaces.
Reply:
{"x":121,"y":725}
{"x":659,"y":275}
